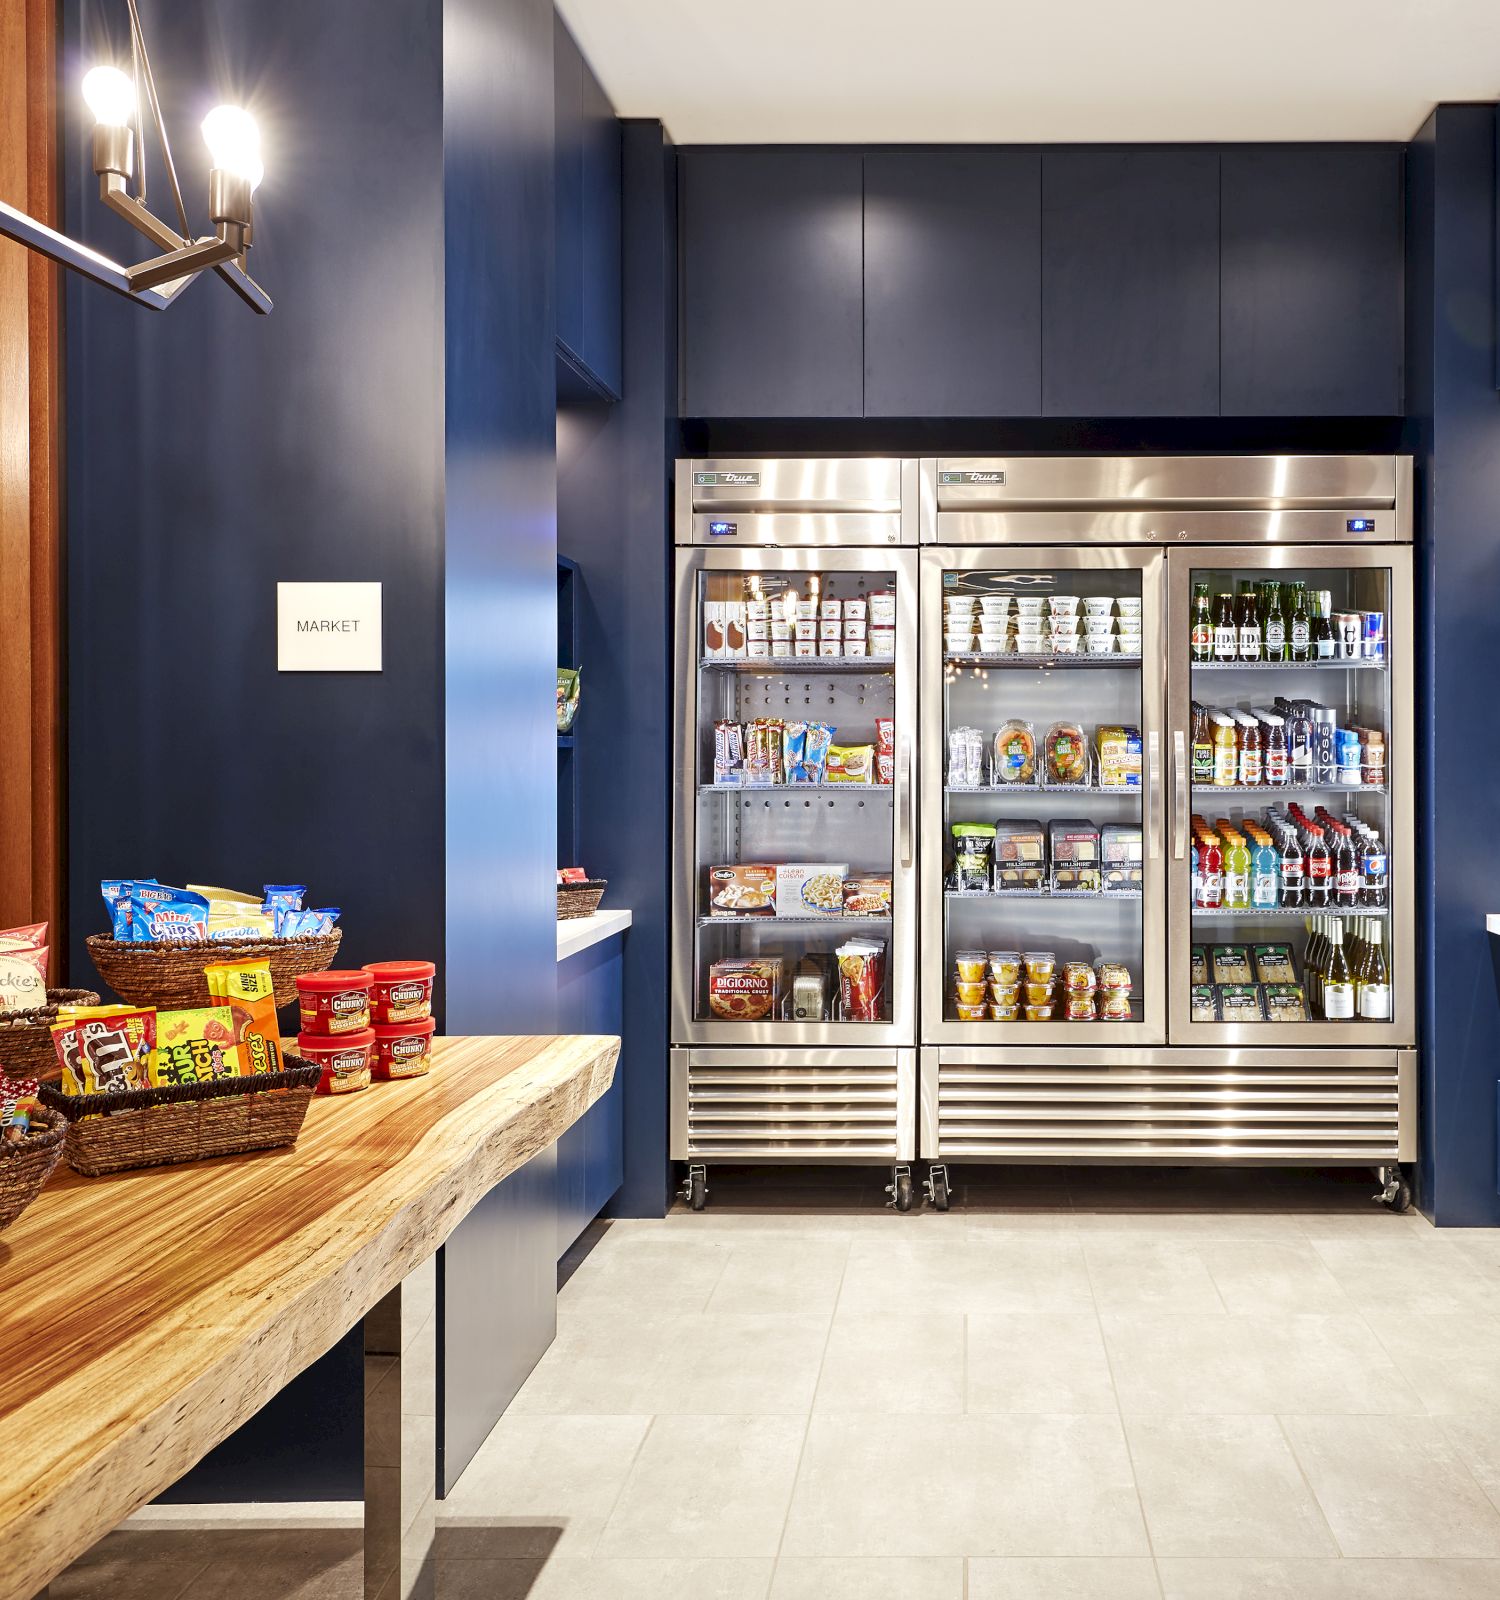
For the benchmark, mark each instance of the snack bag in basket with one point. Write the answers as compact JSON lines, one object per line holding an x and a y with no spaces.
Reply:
{"x":196,"y":1046}
{"x":104,"y":1049}
{"x":23,"y":979}
{"x":249,"y":991}
{"x":32,"y":937}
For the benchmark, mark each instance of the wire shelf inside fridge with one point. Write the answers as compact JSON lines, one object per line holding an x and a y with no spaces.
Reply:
{"x":1273,"y":791}
{"x":1296,"y":913}
{"x":1015,"y":658}
{"x":785,"y":791}
{"x":1360,"y":664}
{"x":1043,"y":893}
{"x":794,"y":922}
{"x":808,"y":664}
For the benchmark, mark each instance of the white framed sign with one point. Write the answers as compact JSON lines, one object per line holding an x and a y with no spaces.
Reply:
{"x":328,"y":627}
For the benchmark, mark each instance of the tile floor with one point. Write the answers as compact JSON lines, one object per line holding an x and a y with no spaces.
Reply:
{"x":1074,"y":1385}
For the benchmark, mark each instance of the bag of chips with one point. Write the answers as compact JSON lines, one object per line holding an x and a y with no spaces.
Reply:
{"x":32,"y":937}
{"x":195,"y":1046}
{"x":23,"y":979}
{"x":246,"y":987}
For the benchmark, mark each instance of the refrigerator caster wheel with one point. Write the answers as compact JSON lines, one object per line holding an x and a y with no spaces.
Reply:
{"x":695,"y":1190}
{"x":937,"y":1187}
{"x":899,"y":1188}
{"x":1396,"y":1193}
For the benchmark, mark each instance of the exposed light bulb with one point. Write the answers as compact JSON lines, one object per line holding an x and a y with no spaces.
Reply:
{"x":233,"y":141}
{"x":110,"y":95}
{"x":255,"y":173}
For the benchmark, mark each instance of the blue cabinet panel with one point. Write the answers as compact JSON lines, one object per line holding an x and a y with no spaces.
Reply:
{"x":772,"y":297}
{"x":1130,"y":268}
{"x":1312,"y":281}
{"x":602,"y":298}
{"x":567,"y":80}
{"x":591,"y":1154}
{"x":953,"y":283}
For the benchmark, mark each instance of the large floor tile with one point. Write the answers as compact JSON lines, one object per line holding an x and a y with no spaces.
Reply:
{"x":1134,"y":1226}
{"x":1394,"y":1491}
{"x":1319,"y":1579}
{"x":782,"y":1275}
{"x":965,"y":1274}
{"x":1221,"y":1365}
{"x":601,"y":1363}
{"x":1224,"y":1486}
{"x":1037,"y":1361}
{"x":899,"y":1579}
{"x":1063,"y":1578}
{"x":629,"y":1273}
{"x":893,"y":1364}
{"x":540,"y":1485}
{"x":1149,"y":1275}
{"x":134,"y":1566}
{"x":1264,"y":1277}
{"x":1453,"y":1362}
{"x":707,"y":1486}
{"x":726,"y":1363}
{"x":1422,"y":1275}
{"x":571,"y":1578}
{"x":1475,"y":1439}
{"x":972,"y":1485}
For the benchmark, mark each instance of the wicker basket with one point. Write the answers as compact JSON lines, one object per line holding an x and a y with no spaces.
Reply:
{"x":26,"y":1166}
{"x":580,"y":899}
{"x":169,"y":975}
{"x":26,"y":1036}
{"x":160,"y":1127}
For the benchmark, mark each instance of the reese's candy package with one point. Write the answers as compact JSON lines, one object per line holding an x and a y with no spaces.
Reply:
{"x":195,"y":1046}
{"x":247,"y":989}
{"x":23,"y":979}
{"x":106,"y":1050}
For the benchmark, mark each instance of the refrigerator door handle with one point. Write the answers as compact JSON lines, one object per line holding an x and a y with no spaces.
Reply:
{"x":1179,"y":793}
{"x":1153,"y":791}
{"x":903,"y":801}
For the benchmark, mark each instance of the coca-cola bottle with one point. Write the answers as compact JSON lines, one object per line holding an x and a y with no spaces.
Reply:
{"x":1292,"y":886}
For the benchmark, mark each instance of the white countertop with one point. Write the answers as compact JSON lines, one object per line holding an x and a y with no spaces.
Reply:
{"x":578,"y":933}
{"x":1492,"y":922}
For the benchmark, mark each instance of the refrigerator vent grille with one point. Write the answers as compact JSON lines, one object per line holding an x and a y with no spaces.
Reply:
{"x":1172,"y":1113}
{"x":751,"y":1112}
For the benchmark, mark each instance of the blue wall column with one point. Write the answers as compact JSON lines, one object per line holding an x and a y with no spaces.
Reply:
{"x":1453,"y":414}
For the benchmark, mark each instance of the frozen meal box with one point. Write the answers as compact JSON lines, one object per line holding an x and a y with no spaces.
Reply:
{"x":868,"y":896}
{"x":811,"y":888}
{"x":744,"y":988}
{"x":740,"y":890}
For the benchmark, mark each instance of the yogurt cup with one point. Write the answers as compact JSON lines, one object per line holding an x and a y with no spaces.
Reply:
{"x":1097,"y":605}
{"x":993,"y":644}
{"x":1129,"y":606}
{"x":1029,"y":605}
{"x":1066,"y":644}
{"x":1093,"y":625}
{"x":1100,"y":644}
{"x":1063,"y":605}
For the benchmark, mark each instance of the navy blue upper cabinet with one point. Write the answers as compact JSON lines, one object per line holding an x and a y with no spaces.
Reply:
{"x":588,"y":220}
{"x":1312,"y":281}
{"x":602,"y":266}
{"x":953,"y":284}
{"x":771,"y":292}
{"x":1130,"y":265}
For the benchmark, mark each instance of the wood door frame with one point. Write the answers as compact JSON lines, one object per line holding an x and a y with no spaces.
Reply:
{"x":31,"y":570}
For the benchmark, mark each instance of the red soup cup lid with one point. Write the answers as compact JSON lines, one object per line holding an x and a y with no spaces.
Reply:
{"x":400,"y":971}
{"x":385,"y":1031}
{"x":334,"y":982}
{"x":315,"y":1044}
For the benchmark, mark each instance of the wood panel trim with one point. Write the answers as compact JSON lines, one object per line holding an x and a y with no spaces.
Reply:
{"x":31,"y":588}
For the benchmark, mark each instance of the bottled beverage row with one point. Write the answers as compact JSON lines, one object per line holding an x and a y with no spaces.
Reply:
{"x":1290,"y":742}
{"x":1287,"y":860}
{"x":1260,"y":623}
{"x":1345,"y":970}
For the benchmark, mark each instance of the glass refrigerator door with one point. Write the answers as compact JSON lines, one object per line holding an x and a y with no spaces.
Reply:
{"x":794,"y":919}
{"x":1291,"y":896}
{"x":1042,"y":694}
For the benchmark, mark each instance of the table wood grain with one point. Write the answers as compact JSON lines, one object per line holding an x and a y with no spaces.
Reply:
{"x":144,"y":1317}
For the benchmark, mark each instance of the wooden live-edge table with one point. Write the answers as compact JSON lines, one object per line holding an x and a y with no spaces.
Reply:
{"x":144,"y":1317}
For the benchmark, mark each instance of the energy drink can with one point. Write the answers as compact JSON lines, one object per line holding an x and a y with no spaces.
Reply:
{"x":1373,"y":642}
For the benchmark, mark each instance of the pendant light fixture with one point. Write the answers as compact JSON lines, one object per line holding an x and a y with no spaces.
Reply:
{"x":115,"y":98}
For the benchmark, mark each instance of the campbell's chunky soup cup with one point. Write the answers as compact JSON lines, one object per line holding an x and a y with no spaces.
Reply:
{"x":402,"y":992}
{"x":403,"y":1050}
{"x":334,"y":1002}
{"x":344,"y":1058}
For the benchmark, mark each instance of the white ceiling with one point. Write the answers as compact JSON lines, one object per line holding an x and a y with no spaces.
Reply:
{"x":1047,"y":71}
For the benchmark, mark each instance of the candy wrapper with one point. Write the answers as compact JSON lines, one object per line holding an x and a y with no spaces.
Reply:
{"x":23,"y":979}
{"x":104,"y":1049}
{"x":247,"y":989}
{"x":18,"y":1099}
{"x":196,"y":1046}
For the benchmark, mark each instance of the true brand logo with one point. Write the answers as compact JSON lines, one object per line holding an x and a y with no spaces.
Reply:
{"x":713,"y":480}
{"x":971,"y":477}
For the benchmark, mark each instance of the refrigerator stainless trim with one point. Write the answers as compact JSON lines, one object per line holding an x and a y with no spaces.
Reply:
{"x":936,"y":1029}
{"x":1400,"y":778}
{"x":792,"y":1105}
{"x":1175,"y":1106}
{"x":1165,"y":500}
{"x":902,"y":955}
{"x":857,"y":500}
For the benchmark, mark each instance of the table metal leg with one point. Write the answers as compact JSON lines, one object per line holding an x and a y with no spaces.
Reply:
{"x":401,"y":1440}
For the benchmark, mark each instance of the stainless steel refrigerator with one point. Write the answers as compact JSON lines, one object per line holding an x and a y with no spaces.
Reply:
{"x":794,"y":948}
{"x":1040,"y":695}
{"x":1225,"y":1046}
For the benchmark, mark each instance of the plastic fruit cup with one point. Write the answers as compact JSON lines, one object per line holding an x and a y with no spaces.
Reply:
{"x":1038,"y":994}
{"x":344,"y":1058}
{"x":971,"y":965}
{"x":1039,"y":1013}
{"x":403,"y":1050}
{"x":403,"y":991}
{"x":971,"y":993}
{"x":1005,"y":994}
{"x":334,"y":1002}
{"x":1004,"y":1013}
{"x":968,"y":1013}
{"x":1041,"y":965}
{"x":1005,"y":966}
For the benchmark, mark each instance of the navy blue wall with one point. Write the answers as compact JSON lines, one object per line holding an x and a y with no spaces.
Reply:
{"x":1454,"y":435}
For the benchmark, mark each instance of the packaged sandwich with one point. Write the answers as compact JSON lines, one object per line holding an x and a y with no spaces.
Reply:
{"x":1285,"y":1003}
{"x":1241,"y":1002}
{"x":1205,"y":1005}
{"x":246,"y":987}
{"x":195,"y":1046}
{"x":1230,"y":963}
{"x":1274,"y":963}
